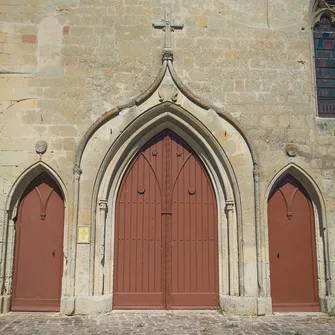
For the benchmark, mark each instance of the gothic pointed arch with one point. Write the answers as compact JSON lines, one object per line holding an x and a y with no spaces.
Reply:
{"x":219,"y":140}
{"x":297,"y":175}
{"x":17,"y":192}
{"x":116,"y":161}
{"x":322,"y":8}
{"x":26,"y":177}
{"x":164,"y":170}
{"x":307,"y":182}
{"x":171,"y":116}
{"x":167,"y":68}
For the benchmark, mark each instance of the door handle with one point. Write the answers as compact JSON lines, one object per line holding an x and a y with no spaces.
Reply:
{"x":278,"y":255}
{"x":53,"y":253}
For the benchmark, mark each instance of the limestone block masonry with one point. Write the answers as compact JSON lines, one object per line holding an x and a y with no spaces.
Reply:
{"x":85,"y":84}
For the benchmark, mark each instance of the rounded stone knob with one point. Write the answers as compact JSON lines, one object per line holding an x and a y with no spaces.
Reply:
{"x":41,"y":147}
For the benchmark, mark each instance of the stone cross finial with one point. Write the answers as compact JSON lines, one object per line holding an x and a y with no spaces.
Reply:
{"x":167,"y":25}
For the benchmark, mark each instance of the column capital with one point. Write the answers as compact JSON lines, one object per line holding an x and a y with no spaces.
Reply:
{"x":77,"y":171}
{"x":230,"y":205}
{"x":103,"y":205}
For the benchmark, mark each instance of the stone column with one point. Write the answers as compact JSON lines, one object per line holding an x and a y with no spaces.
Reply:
{"x":100,"y":247}
{"x":68,"y":297}
{"x":7,"y":260}
{"x":232,"y":250}
{"x":259,"y":231}
{"x":108,"y":252}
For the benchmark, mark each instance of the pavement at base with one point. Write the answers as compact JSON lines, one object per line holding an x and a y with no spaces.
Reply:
{"x":165,"y":322}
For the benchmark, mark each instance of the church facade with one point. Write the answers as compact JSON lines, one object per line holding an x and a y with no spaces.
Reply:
{"x":167,"y":155}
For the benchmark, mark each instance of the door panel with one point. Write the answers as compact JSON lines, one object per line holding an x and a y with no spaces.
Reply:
{"x":167,"y":208}
{"x":139,"y":244}
{"x":39,"y":248}
{"x":194,"y":263}
{"x":292,"y":249}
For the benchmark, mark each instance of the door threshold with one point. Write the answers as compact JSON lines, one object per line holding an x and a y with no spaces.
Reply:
{"x":300,"y":313}
{"x":35,"y":313}
{"x":162,"y":311}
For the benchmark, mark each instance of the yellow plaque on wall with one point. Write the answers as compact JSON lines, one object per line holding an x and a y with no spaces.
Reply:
{"x":83,"y":234}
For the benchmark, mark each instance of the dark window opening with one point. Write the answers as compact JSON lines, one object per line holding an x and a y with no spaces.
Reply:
{"x":324,"y":45}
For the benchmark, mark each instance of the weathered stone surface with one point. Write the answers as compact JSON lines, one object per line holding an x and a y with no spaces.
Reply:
{"x":64,"y":64}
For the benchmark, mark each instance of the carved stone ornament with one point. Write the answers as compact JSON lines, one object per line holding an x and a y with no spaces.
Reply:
{"x":323,"y":9}
{"x":229,"y":206}
{"x":41,"y":147}
{"x":168,"y":92}
{"x":77,"y":171}
{"x":167,"y":54}
{"x":103,"y":205}
{"x":291,"y":150}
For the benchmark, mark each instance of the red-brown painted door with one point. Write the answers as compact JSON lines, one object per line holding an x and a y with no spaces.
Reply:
{"x":193,"y":245}
{"x":166,"y":241}
{"x":38,"y":257}
{"x":139,"y":235}
{"x":292,"y":248}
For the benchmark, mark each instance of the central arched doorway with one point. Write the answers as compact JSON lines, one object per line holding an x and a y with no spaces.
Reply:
{"x":166,"y":234}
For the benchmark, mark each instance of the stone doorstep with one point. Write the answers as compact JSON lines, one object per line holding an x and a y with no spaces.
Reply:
{"x":164,"y":311}
{"x":300,"y":314}
{"x":167,"y":312}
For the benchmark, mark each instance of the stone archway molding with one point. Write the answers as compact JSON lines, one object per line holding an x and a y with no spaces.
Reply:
{"x":113,"y":167}
{"x":167,"y":69}
{"x":167,"y":65}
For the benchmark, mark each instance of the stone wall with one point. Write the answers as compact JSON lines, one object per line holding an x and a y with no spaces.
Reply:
{"x":63,"y":64}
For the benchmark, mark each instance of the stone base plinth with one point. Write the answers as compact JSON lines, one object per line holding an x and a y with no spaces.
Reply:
{"x":246,"y":305}
{"x":329,"y":303}
{"x":67,"y":305}
{"x":93,"y":304}
{"x":5,"y":301}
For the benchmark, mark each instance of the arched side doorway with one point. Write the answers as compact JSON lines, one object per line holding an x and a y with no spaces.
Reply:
{"x":292,"y":249}
{"x":38,"y":258}
{"x":166,"y":234}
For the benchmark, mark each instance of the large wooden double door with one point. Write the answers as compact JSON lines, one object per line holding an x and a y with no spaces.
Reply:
{"x":166,"y":234}
{"x":38,"y":262}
